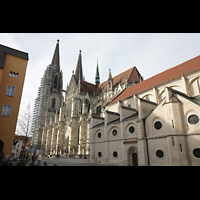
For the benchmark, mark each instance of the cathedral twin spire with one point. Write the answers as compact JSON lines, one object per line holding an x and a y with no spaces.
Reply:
{"x":56,"y":57}
{"x":79,"y":70}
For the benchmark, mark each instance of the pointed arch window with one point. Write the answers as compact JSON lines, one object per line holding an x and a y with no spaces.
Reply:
{"x":109,"y":85}
{"x":87,"y":104}
{"x":55,"y":81}
{"x":53,"y":103}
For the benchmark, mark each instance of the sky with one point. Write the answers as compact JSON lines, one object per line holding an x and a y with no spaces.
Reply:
{"x":151,"y":53}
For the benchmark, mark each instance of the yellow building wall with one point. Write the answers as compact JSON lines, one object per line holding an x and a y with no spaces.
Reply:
{"x":8,"y":124}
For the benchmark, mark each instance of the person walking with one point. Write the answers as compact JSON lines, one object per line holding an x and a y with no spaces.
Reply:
{"x":33,"y":159}
{"x":39,"y":159}
{"x":26,"y":157}
{"x":29,"y":158}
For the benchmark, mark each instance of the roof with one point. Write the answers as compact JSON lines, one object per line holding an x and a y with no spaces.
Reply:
{"x":7,"y":50}
{"x":87,"y":87}
{"x":132,"y":75}
{"x":176,"y":72}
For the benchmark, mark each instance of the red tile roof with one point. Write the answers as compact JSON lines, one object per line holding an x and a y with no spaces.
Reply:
{"x":132,"y":75}
{"x":185,"y":68}
{"x":87,"y":87}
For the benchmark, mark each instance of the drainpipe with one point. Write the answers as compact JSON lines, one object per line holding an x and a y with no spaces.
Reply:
{"x":144,"y":121}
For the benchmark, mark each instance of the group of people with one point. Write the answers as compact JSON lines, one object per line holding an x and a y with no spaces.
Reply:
{"x":31,"y":158}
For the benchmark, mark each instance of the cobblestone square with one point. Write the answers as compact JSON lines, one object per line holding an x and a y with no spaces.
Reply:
{"x":68,"y":162}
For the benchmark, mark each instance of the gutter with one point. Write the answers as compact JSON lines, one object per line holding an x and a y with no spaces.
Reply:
{"x":144,"y":121}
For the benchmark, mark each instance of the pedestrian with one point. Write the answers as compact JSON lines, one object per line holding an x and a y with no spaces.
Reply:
{"x":39,"y":159}
{"x":26,"y":157}
{"x":29,"y":158}
{"x":33,"y":159}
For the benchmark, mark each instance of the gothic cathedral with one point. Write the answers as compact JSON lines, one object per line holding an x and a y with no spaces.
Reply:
{"x":61,"y":126}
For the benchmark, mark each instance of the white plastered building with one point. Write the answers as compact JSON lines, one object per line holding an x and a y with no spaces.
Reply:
{"x":155,"y":122}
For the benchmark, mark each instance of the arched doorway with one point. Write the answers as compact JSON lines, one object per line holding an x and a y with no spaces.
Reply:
{"x":1,"y":146}
{"x":132,"y":156}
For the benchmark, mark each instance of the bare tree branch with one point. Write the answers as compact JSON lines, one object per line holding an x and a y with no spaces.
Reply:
{"x":24,"y":123}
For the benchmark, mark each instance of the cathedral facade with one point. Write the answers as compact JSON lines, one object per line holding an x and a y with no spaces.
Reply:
{"x":61,"y":123}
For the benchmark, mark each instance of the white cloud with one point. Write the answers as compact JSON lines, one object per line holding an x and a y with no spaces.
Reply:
{"x":150,"y":53}
{"x":8,"y":39}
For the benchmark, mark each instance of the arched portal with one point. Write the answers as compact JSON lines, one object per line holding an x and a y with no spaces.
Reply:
{"x":132,"y":156}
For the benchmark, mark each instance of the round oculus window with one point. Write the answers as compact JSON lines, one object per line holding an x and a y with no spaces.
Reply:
{"x":159,"y":153}
{"x":115,"y":154}
{"x":99,"y":154}
{"x":99,"y":134}
{"x":131,"y":129}
{"x":114,"y":132}
{"x":196,"y":152}
{"x":157,"y":125}
{"x":193,"y":119}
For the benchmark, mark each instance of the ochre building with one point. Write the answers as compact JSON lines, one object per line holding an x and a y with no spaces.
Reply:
{"x":13,"y":64}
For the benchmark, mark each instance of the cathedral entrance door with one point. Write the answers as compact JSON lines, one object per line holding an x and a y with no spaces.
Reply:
{"x":132,"y":156}
{"x":134,"y":159}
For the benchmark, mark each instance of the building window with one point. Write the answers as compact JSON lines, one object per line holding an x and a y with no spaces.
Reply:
{"x":6,"y":111}
{"x":131,"y":129}
{"x":53,"y":103}
{"x":99,"y":134}
{"x":10,"y":91}
{"x":159,"y":153}
{"x":196,"y":152}
{"x":55,"y":82}
{"x":114,"y":132}
{"x":115,"y":154}
{"x":99,"y":154}
{"x":13,"y":74}
{"x":98,"y":110}
{"x":157,"y":125}
{"x":193,"y":119}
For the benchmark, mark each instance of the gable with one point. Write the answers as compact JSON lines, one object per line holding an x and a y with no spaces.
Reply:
{"x":131,"y":74}
{"x":72,"y":88}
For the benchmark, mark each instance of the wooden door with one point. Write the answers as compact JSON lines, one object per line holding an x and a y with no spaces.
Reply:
{"x":134,"y":159}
